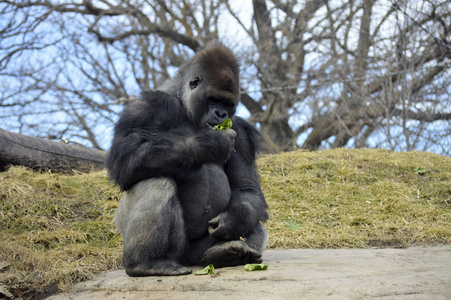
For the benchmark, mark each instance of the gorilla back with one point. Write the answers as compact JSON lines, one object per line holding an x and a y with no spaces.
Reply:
{"x":192,"y":194}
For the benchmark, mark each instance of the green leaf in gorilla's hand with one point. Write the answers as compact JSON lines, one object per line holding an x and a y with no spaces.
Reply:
{"x":227,"y":124}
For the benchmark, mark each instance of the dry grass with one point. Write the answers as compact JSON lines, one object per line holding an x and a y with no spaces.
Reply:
{"x":57,"y":230}
{"x":357,"y":198}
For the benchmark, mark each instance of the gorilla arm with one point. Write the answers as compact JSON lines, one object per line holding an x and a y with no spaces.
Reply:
{"x":247,"y":206}
{"x":153,"y":138}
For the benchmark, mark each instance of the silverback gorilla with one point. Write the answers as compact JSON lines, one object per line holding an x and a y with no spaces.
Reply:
{"x":192,"y":194}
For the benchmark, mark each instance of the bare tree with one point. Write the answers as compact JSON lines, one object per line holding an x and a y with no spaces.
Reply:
{"x":315,"y":74}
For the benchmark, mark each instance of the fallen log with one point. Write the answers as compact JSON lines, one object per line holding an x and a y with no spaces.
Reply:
{"x":41,"y":154}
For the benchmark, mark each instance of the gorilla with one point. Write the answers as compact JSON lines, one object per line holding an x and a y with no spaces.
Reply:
{"x":192,"y":194}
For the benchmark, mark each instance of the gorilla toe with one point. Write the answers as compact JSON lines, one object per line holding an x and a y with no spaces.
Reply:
{"x":231,"y":253}
{"x":159,"y":268}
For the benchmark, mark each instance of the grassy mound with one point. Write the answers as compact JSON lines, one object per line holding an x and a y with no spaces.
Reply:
{"x":357,"y":198}
{"x":55,"y":230}
{"x":58,"y":229}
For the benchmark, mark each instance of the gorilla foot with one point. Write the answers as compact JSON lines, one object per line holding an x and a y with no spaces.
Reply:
{"x":229,"y":254}
{"x":158,"y":268}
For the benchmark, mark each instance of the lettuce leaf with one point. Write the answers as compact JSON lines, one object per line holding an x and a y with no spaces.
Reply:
{"x":227,"y":124}
{"x":255,"y":267}
{"x":210,"y":269}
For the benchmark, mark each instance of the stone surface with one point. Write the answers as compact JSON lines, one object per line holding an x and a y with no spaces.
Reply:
{"x":413,"y":273}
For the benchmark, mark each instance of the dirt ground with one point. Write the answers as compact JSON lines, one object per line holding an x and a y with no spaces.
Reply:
{"x":412,"y":273}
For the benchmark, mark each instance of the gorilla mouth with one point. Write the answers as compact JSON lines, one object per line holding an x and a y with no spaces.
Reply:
{"x":213,"y":124}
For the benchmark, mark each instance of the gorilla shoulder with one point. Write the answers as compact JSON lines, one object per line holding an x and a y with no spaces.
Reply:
{"x":247,"y":139}
{"x":152,"y":109}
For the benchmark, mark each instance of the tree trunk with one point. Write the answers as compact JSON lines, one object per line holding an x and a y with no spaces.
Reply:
{"x":40,"y":154}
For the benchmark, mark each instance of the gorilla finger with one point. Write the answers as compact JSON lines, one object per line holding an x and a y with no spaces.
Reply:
{"x":214,"y":221}
{"x":254,"y":256}
{"x":231,"y":133}
{"x":238,"y":247}
{"x":215,"y":232}
{"x":255,"y":253}
{"x":221,"y":233}
{"x":211,"y":230}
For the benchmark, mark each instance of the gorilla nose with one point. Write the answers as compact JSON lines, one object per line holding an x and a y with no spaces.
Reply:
{"x":220,"y":114}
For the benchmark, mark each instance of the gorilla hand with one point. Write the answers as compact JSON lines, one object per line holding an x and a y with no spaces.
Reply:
{"x":218,"y":228}
{"x":233,"y":223}
{"x":217,"y":145}
{"x":229,"y":142}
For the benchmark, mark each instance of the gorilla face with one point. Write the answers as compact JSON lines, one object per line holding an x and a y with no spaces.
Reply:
{"x":208,"y":107}
{"x":211,"y":89}
{"x":218,"y":111}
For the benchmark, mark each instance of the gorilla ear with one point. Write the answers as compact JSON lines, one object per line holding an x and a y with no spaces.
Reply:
{"x":195,"y":82}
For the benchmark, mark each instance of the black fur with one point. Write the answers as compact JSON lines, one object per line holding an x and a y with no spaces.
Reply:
{"x":192,"y":194}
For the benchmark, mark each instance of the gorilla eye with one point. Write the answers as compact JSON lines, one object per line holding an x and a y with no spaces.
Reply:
{"x":194,"y":83}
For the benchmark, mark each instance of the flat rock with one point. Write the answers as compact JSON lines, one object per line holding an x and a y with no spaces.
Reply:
{"x":412,"y":273}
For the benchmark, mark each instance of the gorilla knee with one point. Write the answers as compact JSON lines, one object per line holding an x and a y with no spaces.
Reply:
{"x":147,"y":196}
{"x":160,"y":189}
{"x":151,"y":222}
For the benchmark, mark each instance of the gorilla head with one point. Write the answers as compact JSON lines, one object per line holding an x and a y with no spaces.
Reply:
{"x":207,"y":86}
